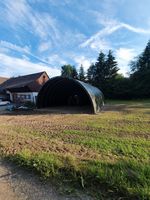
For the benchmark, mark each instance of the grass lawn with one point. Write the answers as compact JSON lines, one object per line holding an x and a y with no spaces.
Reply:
{"x":107,"y":154}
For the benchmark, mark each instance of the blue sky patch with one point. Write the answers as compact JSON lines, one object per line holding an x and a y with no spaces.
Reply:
{"x":37,"y":35}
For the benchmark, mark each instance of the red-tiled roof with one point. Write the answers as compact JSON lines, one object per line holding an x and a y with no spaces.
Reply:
{"x":20,"y":81}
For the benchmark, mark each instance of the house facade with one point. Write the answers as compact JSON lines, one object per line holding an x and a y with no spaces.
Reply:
{"x":3,"y":95}
{"x":24,"y":88}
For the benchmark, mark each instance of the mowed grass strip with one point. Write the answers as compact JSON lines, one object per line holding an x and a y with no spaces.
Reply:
{"x":108,"y":153}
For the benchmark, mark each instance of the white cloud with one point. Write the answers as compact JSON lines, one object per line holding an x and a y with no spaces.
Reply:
{"x":104,"y":19}
{"x":82,"y":60}
{"x":99,"y":37}
{"x":44,"y":46}
{"x":124,"y":56}
{"x":55,"y":60}
{"x":21,"y":14}
{"x":51,"y":60}
{"x":6,"y":46}
{"x":15,"y":12}
{"x":59,"y":3}
{"x":12,"y":66}
{"x":100,"y":44}
{"x":14,"y":47}
{"x":110,"y":6}
{"x":98,"y":40}
{"x":135,"y":29}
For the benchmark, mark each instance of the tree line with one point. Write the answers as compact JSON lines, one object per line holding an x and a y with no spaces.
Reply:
{"x":104,"y":75}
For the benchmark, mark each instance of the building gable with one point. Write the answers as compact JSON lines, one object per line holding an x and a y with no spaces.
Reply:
{"x":32,"y":81}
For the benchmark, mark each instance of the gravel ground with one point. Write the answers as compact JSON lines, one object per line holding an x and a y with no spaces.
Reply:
{"x":20,"y":184}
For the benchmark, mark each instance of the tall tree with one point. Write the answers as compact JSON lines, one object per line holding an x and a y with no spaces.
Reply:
{"x":111,"y":68}
{"x":111,"y":74}
{"x":66,"y":71}
{"x":91,"y":72}
{"x":141,"y":73}
{"x":69,"y":71}
{"x":99,"y":76}
{"x":74,"y":73}
{"x":102,"y":74}
{"x":81,"y":75}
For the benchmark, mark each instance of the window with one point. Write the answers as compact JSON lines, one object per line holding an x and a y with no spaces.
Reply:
{"x":28,"y":96}
{"x":22,"y":96}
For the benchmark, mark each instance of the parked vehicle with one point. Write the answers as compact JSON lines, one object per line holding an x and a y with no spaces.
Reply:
{"x":4,"y":103}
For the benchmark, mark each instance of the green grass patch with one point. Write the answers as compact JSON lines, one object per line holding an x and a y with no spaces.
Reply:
{"x":127,"y":179}
{"x":127,"y":102}
{"x":108,"y":153}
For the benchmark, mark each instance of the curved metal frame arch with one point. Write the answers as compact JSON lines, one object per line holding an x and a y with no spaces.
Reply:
{"x":94,"y":95}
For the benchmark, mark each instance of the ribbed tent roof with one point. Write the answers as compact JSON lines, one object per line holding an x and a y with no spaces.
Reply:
{"x":59,"y":90}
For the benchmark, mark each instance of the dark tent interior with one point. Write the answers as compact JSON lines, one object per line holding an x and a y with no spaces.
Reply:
{"x":63,"y":92}
{"x":70,"y":93}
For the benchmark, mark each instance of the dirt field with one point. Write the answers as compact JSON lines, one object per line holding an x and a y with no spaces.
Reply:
{"x":114,"y":141}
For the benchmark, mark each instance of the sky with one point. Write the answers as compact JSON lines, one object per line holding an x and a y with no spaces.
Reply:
{"x":43,"y":35}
